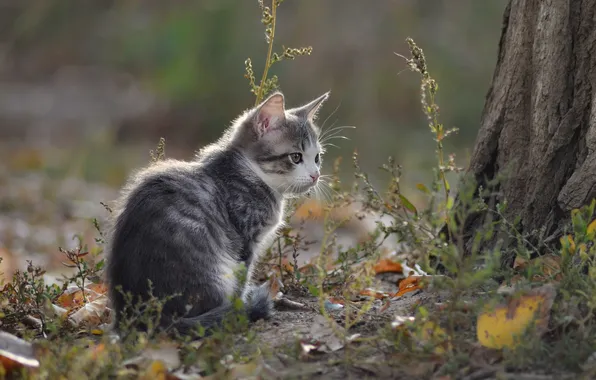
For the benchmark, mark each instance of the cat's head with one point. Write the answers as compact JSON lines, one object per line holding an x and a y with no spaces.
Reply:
{"x":283,"y":144}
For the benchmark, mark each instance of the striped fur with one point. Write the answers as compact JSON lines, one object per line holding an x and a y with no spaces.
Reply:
{"x":187,"y":226}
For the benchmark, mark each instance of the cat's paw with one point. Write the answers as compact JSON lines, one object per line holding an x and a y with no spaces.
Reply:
{"x":260,"y":302}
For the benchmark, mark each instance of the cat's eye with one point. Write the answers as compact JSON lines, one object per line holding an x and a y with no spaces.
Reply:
{"x":317,"y":159}
{"x":296,"y":157}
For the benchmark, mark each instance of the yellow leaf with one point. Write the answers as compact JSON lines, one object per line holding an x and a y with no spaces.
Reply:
{"x":571,"y":243}
{"x":582,"y":248}
{"x":591,"y":230}
{"x":500,"y":327}
{"x":156,"y":370}
{"x":568,"y":243}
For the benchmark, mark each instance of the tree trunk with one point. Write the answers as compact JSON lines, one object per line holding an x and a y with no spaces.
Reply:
{"x":538,"y":126}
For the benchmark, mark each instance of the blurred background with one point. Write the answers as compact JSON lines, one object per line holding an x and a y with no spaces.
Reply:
{"x":87,"y":87}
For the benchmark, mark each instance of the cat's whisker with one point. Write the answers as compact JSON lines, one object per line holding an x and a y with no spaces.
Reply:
{"x":338,"y":128}
{"x":335,"y":137}
{"x":331,"y":114}
{"x":334,"y":130}
{"x":329,"y":190}
{"x":327,"y":130}
{"x":331,"y":137}
{"x":320,"y":193}
{"x":334,"y":133}
{"x":324,"y":145}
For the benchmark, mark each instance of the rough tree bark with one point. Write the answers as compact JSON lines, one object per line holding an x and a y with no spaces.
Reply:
{"x":538,"y":126}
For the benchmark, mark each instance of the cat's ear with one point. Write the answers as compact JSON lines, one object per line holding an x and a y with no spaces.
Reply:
{"x":270,"y":114}
{"x":310,"y":109}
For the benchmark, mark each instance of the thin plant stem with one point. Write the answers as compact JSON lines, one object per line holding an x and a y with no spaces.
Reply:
{"x":269,"y":52}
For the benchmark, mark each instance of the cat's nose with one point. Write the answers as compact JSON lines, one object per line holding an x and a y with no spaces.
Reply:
{"x":314,"y":177}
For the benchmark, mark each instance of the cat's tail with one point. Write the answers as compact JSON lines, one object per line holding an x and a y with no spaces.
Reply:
{"x":258,"y":305}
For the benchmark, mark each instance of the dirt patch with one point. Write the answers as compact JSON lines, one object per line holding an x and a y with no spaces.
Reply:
{"x":288,"y":334}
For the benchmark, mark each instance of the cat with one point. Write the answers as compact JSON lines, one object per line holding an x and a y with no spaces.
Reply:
{"x":187,"y":226}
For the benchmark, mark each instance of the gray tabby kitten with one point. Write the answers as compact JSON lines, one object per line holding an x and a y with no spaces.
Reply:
{"x":186,"y":226}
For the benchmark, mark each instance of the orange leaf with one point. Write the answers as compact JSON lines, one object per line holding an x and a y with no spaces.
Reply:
{"x":336,"y":301}
{"x":73,"y":298}
{"x":409,"y":284}
{"x":373,"y":293}
{"x":387,"y":266}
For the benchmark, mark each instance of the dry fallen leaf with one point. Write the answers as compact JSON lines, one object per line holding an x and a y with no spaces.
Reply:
{"x":16,"y":353}
{"x":73,"y":295}
{"x":93,"y":313}
{"x":388,"y":266}
{"x":499,"y":328}
{"x":378,"y":294}
{"x":410,"y":284}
